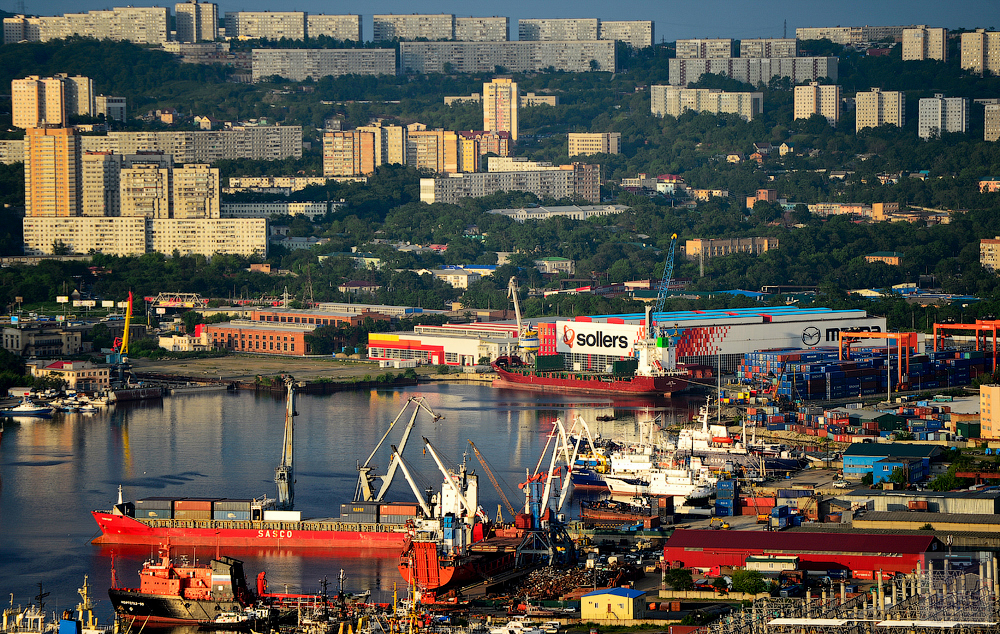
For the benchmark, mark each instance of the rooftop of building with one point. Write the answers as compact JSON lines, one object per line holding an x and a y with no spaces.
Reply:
{"x":873,"y":493}
{"x":784,"y":542}
{"x":930,"y":518}
{"x":893,"y":450}
{"x":618,"y":592}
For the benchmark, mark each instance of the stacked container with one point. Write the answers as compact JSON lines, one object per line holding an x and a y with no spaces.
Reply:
{"x":155,"y":508}
{"x":396,"y":513}
{"x":360,"y":512}
{"x":193,"y":509}
{"x":235,"y":510}
{"x":780,"y":517}
{"x":726,"y":495}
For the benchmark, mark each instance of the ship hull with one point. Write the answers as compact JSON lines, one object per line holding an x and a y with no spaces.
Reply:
{"x":592,"y":384}
{"x":154,"y":608}
{"x":119,"y":529}
{"x":134,"y":394}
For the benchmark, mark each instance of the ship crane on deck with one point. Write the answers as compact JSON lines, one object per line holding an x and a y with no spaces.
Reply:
{"x":493,"y":479}
{"x":284,"y":474}
{"x":527,"y":338}
{"x":664,"y":286}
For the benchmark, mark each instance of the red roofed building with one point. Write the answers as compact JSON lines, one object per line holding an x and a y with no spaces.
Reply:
{"x":863,"y":554}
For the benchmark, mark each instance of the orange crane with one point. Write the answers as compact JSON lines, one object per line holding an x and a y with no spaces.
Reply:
{"x":906,"y":345}
{"x":984,"y":326}
{"x":489,"y":474}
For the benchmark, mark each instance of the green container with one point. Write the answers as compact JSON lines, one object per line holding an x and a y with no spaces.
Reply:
{"x":625,"y":368}
{"x":549,"y":362}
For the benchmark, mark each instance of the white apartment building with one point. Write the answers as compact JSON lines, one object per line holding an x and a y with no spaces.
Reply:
{"x":991,"y":131}
{"x":266,"y":25}
{"x":11,"y":151}
{"x":851,"y":35}
{"x":100,"y":174}
{"x":876,"y":108}
{"x":196,"y":21}
{"x":267,"y":143}
{"x":921,"y":43}
{"x":516,"y":57}
{"x":145,"y":191}
{"x":574,"y":212}
{"x":313,"y":63}
{"x":195,"y":191}
{"x":753,"y":70}
{"x":674,"y":101}
{"x":705,"y":48}
{"x":453,"y":187}
{"x":37,"y":101}
{"x":558,"y":30}
{"x":940,"y":114}
{"x":142,"y":25}
{"x":500,"y":105}
{"x":981,"y":51}
{"x":815,"y":98}
{"x":108,"y":235}
{"x":346,"y":28}
{"x":635,"y":33}
{"x":311,"y":210}
{"x":492,"y":29}
{"x":585,"y":143}
{"x":390,"y":143}
{"x":434,"y":27}
{"x":780,"y":47}
{"x":291,"y":183}
{"x":113,"y":108}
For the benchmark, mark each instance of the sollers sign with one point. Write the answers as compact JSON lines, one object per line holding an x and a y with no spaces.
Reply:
{"x":613,"y":340}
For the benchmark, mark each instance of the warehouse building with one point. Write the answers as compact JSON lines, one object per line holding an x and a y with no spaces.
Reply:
{"x":928,"y":502}
{"x":880,"y":459}
{"x":862,"y":554}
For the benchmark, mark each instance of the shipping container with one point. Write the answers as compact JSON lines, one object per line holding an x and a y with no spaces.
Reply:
{"x":193,"y":504}
{"x":549,"y":362}
{"x":154,"y":514}
{"x":155,"y":503}
{"x":188,"y":514}
{"x":282,"y":516}
{"x":232,"y":505}
{"x":359,"y":507}
{"x":230,"y":515}
{"x":398,"y":509}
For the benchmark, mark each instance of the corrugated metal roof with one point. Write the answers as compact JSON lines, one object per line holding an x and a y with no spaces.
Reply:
{"x":892,"y":450}
{"x":929,"y":518}
{"x":618,"y":592}
{"x":800,"y":542}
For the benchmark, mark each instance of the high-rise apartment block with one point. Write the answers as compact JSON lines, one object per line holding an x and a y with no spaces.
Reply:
{"x":557,"y":182}
{"x":785,"y":47}
{"x":346,"y":28}
{"x":152,"y":190}
{"x":981,"y":51}
{"x":197,"y":21}
{"x":51,"y":172}
{"x":516,"y":57}
{"x":113,"y":108}
{"x":195,"y":192}
{"x":705,"y":48}
{"x":390,"y":143}
{"x":500,"y":102}
{"x":100,"y":175}
{"x":989,"y":411}
{"x":815,"y":98}
{"x":586,"y":143}
{"x":635,"y":33}
{"x":850,"y":35}
{"x":674,"y":100}
{"x":991,"y":130}
{"x":261,"y":143}
{"x":266,"y":25}
{"x":40,"y":101}
{"x":299,"y":64}
{"x":441,"y":151}
{"x":940,"y":114}
{"x":558,"y":30}
{"x":498,"y":143}
{"x":922,"y":42}
{"x":876,"y":108}
{"x":493,"y":29}
{"x":410,"y":27}
{"x":142,"y":25}
{"x":348,"y":153}
{"x":753,"y":70}
{"x":989,"y":257}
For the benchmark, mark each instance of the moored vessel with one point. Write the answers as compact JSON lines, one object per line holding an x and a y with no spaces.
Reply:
{"x":27,"y":407}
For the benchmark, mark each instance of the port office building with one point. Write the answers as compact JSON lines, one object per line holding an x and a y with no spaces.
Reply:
{"x":703,"y":337}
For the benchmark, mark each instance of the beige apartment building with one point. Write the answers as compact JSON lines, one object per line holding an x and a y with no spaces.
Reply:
{"x":153,"y":191}
{"x":710,"y":248}
{"x":299,"y":64}
{"x":576,"y":56}
{"x":196,"y":21}
{"x":851,"y":35}
{"x":196,"y":192}
{"x":269,"y":25}
{"x":705,"y":48}
{"x":585,"y":143}
{"x":516,"y":174}
{"x":390,"y":143}
{"x":266,"y":143}
{"x":349,"y":153}
{"x":989,"y":411}
{"x":754,"y":70}
{"x":141,"y":25}
{"x":500,"y":103}
{"x":37,"y":101}
{"x":921,"y":43}
{"x":51,"y":172}
{"x":113,"y":108}
{"x":492,"y":29}
{"x":940,"y":114}
{"x":100,"y":174}
{"x":558,"y":29}
{"x":781,"y":47}
{"x":435,"y":150}
{"x":815,"y":98}
{"x":346,"y":28}
{"x":674,"y":101}
{"x":878,"y":107}
{"x":989,"y":257}
{"x":991,"y":130}
{"x":981,"y":51}
{"x":432,"y":27}
{"x":635,"y":33}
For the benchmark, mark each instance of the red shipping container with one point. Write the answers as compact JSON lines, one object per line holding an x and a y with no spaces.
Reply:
{"x":862,"y":574}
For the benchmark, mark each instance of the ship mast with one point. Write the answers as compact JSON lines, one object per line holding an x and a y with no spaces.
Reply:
{"x":284,"y":475}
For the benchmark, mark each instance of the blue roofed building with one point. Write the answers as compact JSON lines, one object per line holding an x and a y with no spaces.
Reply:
{"x":612,"y":605}
{"x":879,"y":459}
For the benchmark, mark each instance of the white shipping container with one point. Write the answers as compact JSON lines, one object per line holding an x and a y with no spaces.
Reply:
{"x":282,"y":516}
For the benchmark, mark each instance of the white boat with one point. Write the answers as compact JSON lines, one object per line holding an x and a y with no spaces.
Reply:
{"x":516,"y":626}
{"x":27,"y":408}
{"x":30,"y":620}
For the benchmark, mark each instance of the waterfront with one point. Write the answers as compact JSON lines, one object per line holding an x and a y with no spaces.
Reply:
{"x":55,"y":471}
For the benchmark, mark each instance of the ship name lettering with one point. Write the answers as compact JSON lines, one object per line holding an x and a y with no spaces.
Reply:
{"x":282,"y":534}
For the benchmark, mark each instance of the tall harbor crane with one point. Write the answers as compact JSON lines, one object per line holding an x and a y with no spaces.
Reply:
{"x":664,"y":286}
{"x":284,"y":474}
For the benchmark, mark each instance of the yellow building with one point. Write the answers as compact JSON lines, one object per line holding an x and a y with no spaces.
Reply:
{"x":51,"y":172}
{"x":817,"y":99}
{"x":434,"y":150}
{"x":922,"y":42}
{"x":878,"y":108}
{"x":585,"y":143}
{"x":989,"y":411}
{"x":79,"y":375}
{"x":981,"y":51}
{"x":500,"y":102}
{"x":349,"y":153}
{"x":612,"y":604}
{"x":390,"y":143}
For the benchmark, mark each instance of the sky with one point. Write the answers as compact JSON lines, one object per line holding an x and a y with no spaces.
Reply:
{"x":673,"y":18}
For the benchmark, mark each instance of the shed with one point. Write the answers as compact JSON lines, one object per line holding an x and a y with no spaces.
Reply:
{"x":617,"y":604}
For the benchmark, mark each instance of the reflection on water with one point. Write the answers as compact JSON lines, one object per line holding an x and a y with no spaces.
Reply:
{"x":55,"y":471}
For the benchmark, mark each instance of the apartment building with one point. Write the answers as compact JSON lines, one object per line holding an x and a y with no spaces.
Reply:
{"x":498,"y":143}
{"x":989,"y":257}
{"x":876,"y":108}
{"x":492,"y":29}
{"x":313,"y":63}
{"x":349,"y":153}
{"x":390,"y":143}
{"x":852,"y":35}
{"x":713,"y":48}
{"x":674,"y":101}
{"x":11,"y":151}
{"x":435,"y":150}
{"x":989,"y":411}
{"x":346,"y":28}
{"x":112,"y":108}
{"x":195,"y":192}
{"x":266,"y":25}
{"x":635,"y":33}
{"x":410,"y":27}
{"x":586,"y":177}
{"x":500,"y":104}
{"x":151,"y":190}
{"x":100,"y":175}
{"x":815,"y":98}
{"x":558,"y":30}
{"x":981,"y":51}
{"x":141,"y":25}
{"x":266,"y":143}
{"x":940,"y":114}
{"x":196,"y":21}
{"x":311,"y":210}
{"x":545,"y":181}
{"x":574,"y":212}
{"x":51,"y":172}
{"x":922,"y":42}
{"x":713,"y":248}
{"x":45,"y":339}
{"x":516,"y":57}
{"x":584,"y":143}
{"x":991,"y":130}
{"x":38,"y":101}
{"x":145,"y":191}
{"x":753,"y":70}
{"x":781,"y":47}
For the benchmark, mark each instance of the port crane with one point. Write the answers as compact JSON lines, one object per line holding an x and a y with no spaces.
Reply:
{"x":493,"y":479}
{"x":664,"y":285}
{"x":118,"y":359}
{"x":284,"y":474}
{"x":527,"y":338}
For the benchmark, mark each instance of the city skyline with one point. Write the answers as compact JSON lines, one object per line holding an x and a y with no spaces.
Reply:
{"x":711,"y":18}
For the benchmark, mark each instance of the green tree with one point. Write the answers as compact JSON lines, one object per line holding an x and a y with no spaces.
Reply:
{"x":679,"y":579}
{"x":749,"y":581}
{"x":868,"y":479}
{"x":899,"y":476}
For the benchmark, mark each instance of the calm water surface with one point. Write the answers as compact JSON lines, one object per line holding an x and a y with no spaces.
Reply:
{"x":53,"y":472}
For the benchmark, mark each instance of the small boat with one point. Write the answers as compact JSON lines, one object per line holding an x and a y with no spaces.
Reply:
{"x":29,"y":620}
{"x":606,"y":417}
{"x":27,"y":408}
